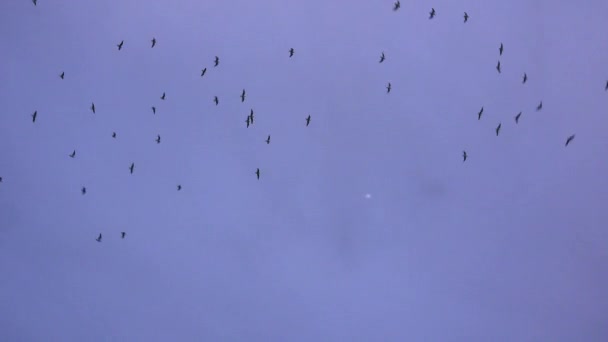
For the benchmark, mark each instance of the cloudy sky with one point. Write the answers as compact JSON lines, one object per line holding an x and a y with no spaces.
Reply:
{"x":511,"y":245}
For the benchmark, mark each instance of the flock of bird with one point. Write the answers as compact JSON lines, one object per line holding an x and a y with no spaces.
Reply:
{"x":250,"y":118}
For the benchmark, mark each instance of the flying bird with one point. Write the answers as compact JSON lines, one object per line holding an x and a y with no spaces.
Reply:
{"x":480,"y":113}
{"x":498,"y":128}
{"x":132,"y":167}
{"x":308,"y":121}
{"x":62,"y":74}
{"x":432,"y":13}
{"x":93,"y":107}
{"x":83,"y":190}
{"x":251,"y":116}
{"x":606,"y":88}
{"x":540,"y":106}
{"x":498,"y":67}
{"x":122,"y":235}
{"x":291,"y":52}
{"x":248,"y":121}
{"x":217,"y":61}
{"x":257,"y":172}
{"x":464,"y":156}
{"x":466,"y":17}
{"x":73,"y":154}
{"x":99,"y":238}
{"x":216,"y":100}
{"x":570,"y":138}
{"x":397,"y":6}
{"x":120,"y":45}
{"x":0,"y":179}
{"x":158,"y":139}
{"x":203,"y":72}
{"x":382,"y":58}
{"x":34,"y":116}
{"x":153,"y":110}
{"x":34,"y":1}
{"x":268,"y":139}
{"x":388,"y":87}
{"x":179,"y":187}
{"x":243,"y":96}
{"x":113,"y":134}
{"x":517,"y":117}
{"x":153,"y":42}
{"x":163,"y":97}
{"x":525,"y":78}
{"x":500,"y":49}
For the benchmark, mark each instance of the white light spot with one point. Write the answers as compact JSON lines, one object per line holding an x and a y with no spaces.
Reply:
{"x":368,"y":196}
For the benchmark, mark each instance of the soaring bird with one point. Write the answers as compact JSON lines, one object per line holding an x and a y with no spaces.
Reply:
{"x":570,"y":138}
{"x":153,"y":42}
{"x":73,"y":154}
{"x":99,"y":238}
{"x":243,"y":96}
{"x":466,"y":17}
{"x":388,"y":87}
{"x":203,"y":72}
{"x":308,"y":121}
{"x":179,"y":187}
{"x":153,"y":110}
{"x":114,"y":135}
{"x":464,"y":156}
{"x":498,"y":67}
{"x":248,"y":121}
{"x":606,"y":88}
{"x":216,"y":100}
{"x":93,"y":107}
{"x":501,"y":49}
{"x":158,"y":138}
{"x":34,"y":116}
{"x":397,"y":6}
{"x":382,"y":57}
{"x":251,"y":116}
{"x":432,"y":13}
{"x":291,"y":52}
{"x":217,"y":61}
{"x":480,"y":113}
{"x":62,"y":74}
{"x":34,"y":1}
{"x":0,"y":179}
{"x":257,"y":172}
{"x":122,"y":235}
{"x":83,"y":190}
{"x":540,"y":106}
{"x":517,"y":117}
{"x":163,"y":97}
{"x":525,"y":78}
{"x":120,"y":45}
{"x":498,"y":128}
{"x":132,"y":167}
{"x":268,"y":139}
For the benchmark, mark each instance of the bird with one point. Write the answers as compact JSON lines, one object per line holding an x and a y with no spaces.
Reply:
{"x":388,"y":87}
{"x":179,"y":187}
{"x":243,"y":96}
{"x":34,"y":1}
{"x":163,"y":97}
{"x":114,"y":135}
{"x":480,"y":113}
{"x":525,"y":78}
{"x":216,"y":100}
{"x":540,"y":106}
{"x":464,"y":156}
{"x":62,"y":74}
{"x":268,"y":139}
{"x":34,"y":116}
{"x":501,"y":49}
{"x":158,"y":138}
{"x":203,"y":72}
{"x":466,"y":17}
{"x":217,"y":61}
{"x":120,"y":45}
{"x":0,"y":179}
{"x":606,"y":88}
{"x":251,"y":116}
{"x":99,"y":238}
{"x":257,"y":172}
{"x":73,"y":154}
{"x":308,"y":121}
{"x":153,"y":41}
{"x":291,"y":52}
{"x":382,"y":57}
{"x":432,"y":13}
{"x":517,"y":117}
{"x":153,"y":110}
{"x":248,"y":121}
{"x":83,"y":190}
{"x":397,"y":6}
{"x":132,"y":167}
{"x":122,"y":235}
{"x":498,"y":128}
{"x":93,"y":107}
{"x":498,"y":67}
{"x":570,"y":138}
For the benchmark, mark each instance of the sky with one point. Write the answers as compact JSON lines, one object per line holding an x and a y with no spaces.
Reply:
{"x":510,"y":245}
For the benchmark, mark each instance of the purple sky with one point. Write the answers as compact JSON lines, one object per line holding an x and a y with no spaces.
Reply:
{"x":511,"y":245}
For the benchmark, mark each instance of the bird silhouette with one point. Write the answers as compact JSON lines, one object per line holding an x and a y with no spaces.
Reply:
{"x":62,"y":74}
{"x":217,"y":61}
{"x":132,"y":167}
{"x":179,"y":187}
{"x":606,"y":88}
{"x":203,"y":72}
{"x":73,"y":154}
{"x":540,"y":106}
{"x":93,"y":107}
{"x":464,"y":156}
{"x":114,"y":135}
{"x":308,"y":121}
{"x":120,"y":45}
{"x":525,"y":78}
{"x":243,"y":96}
{"x":98,"y":238}
{"x":388,"y":87}
{"x":34,"y":116}
{"x":122,"y":235}
{"x":291,"y":52}
{"x":466,"y":17}
{"x":248,"y":121}
{"x":257,"y":172}
{"x":501,"y":49}
{"x":251,"y":116}
{"x":517,"y":117}
{"x":158,"y":139}
{"x":216,"y":100}
{"x":35,"y":2}
{"x":382,"y":57}
{"x":83,"y":190}
{"x":0,"y":179}
{"x":498,"y":128}
{"x":432,"y":13}
{"x":153,"y":110}
{"x":163,"y":97}
{"x":480,"y":113}
{"x":570,"y":138}
{"x":153,"y":42}
{"x":268,"y":139}
{"x":498,"y":67}
{"x":397,"y":6}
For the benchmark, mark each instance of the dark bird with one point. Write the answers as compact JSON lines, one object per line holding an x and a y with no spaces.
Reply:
{"x":466,"y":17}
{"x":517,"y":117}
{"x":73,"y":154}
{"x":158,"y":139}
{"x":243,"y":96}
{"x":83,"y":190}
{"x":217,"y":61}
{"x":570,"y":138}
{"x":397,"y":6}
{"x":248,"y":121}
{"x":120,"y":45}
{"x":257,"y":172}
{"x":268,"y":139}
{"x":203,"y":72}
{"x":606,"y":88}
{"x":93,"y":107}
{"x":34,"y":116}
{"x":291,"y":52}
{"x":500,"y":49}
{"x":132,"y":167}
{"x":0,"y":179}
{"x":99,"y":238}
{"x":498,"y":128}
{"x":122,"y":235}
{"x":62,"y":74}
{"x":34,"y":1}
{"x":498,"y":67}
{"x":382,"y":58}
{"x":179,"y":187}
{"x":153,"y":42}
{"x":525,"y":78}
{"x":480,"y":113}
{"x":163,"y":97}
{"x":432,"y":13}
{"x":540,"y":106}
{"x":216,"y":100}
{"x":308,"y":121}
{"x":113,"y":134}
{"x":388,"y":87}
{"x":153,"y":110}
{"x":464,"y":156}
{"x":251,"y":115}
